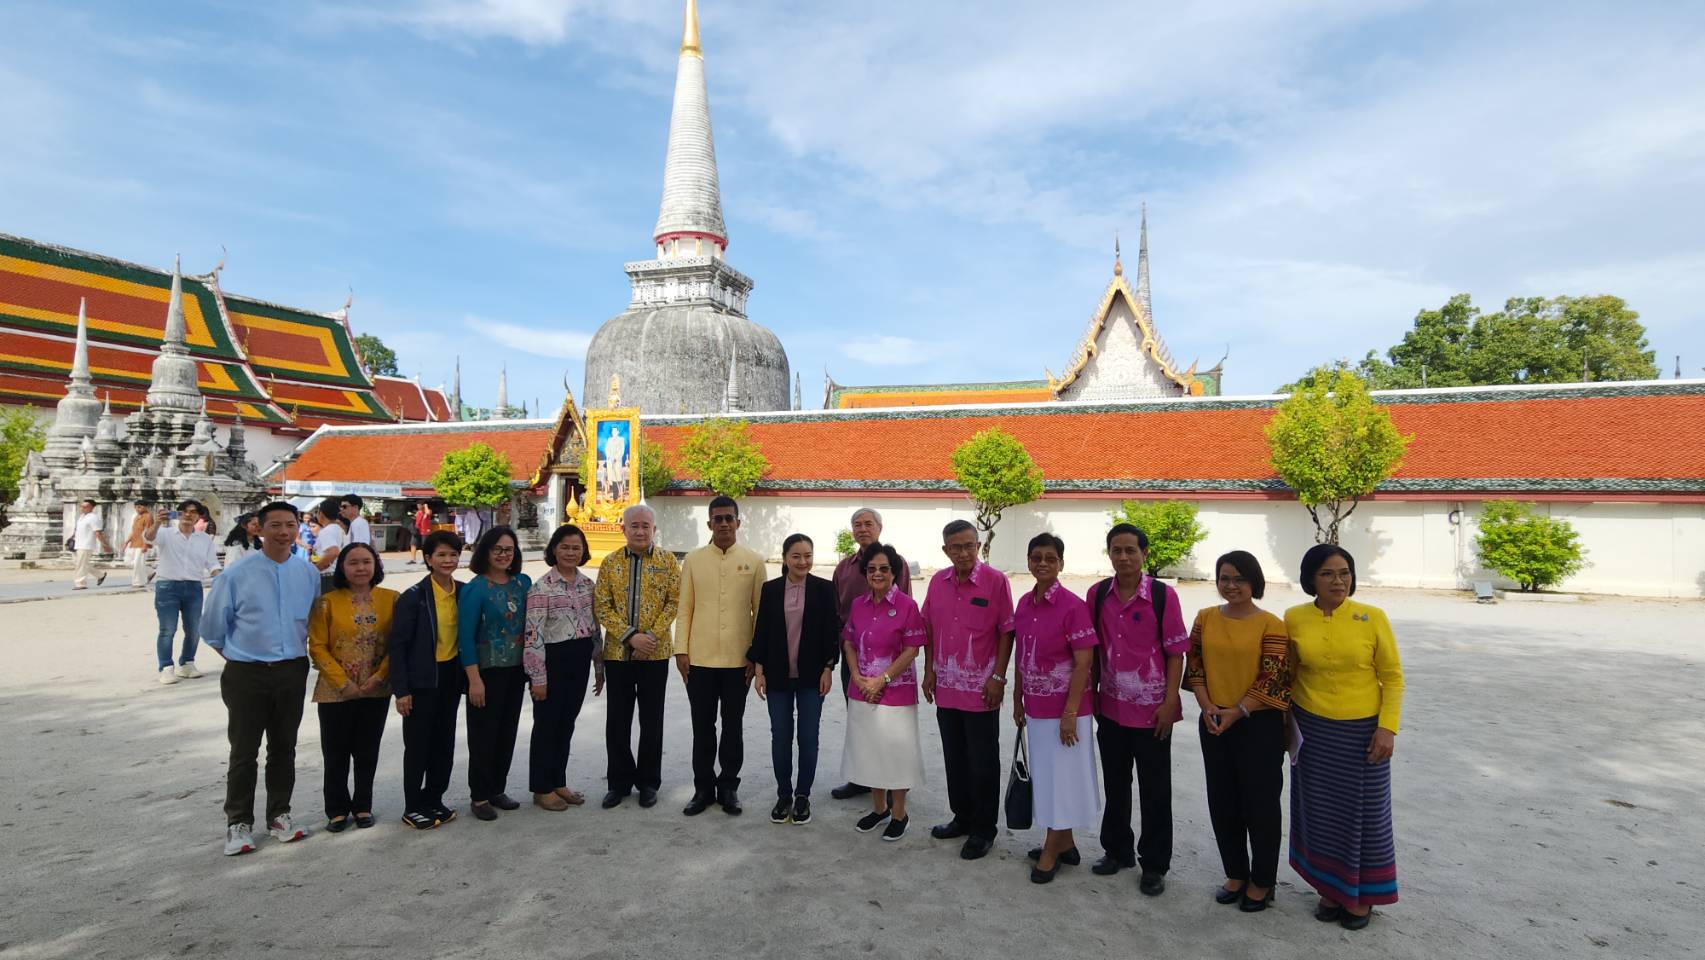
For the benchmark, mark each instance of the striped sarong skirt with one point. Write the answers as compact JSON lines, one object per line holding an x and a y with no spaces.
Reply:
{"x":1341,"y":838}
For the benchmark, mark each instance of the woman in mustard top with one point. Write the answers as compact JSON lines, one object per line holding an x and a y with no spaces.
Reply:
{"x":1239,"y":670}
{"x":347,"y":638}
{"x":1345,"y":702}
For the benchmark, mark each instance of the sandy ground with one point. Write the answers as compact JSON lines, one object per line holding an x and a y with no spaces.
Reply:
{"x":1550,"y":757}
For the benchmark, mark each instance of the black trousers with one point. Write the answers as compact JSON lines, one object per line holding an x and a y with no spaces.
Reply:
{"x":261,"y":699}
{"x":429,"y":738}
{"x":1121,"y":748}
{"x":970,"y":747}
{"x":491,"y":731}
{"x":713,"y":691}
{"x":350,"y":732}
{"x":567,"y":664}
{"x":1245,"y":769}
{"x":632,"y":683}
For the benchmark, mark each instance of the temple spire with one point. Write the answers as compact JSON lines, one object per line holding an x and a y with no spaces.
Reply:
{"x":80,"y":358}
{"x":456,"y":391}
{"x":176,"y":339}
{"x":689,"y":220}
{"x":731,"y":396}
{"x":1143,"y":266}
{"x":502,"y":392}
{"x":174,"y":375}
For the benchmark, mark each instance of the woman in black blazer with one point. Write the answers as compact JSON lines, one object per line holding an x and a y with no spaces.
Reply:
{"x":795,"y":645}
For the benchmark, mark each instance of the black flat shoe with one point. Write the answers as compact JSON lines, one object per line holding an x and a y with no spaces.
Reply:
{"x":1350,"y":921}
{"x":1222,"y":895}
{"x":896,"y":828}
{"x":337,"y":826}
{"x":363,"y":821}
{"x":975,"y":848}
{"x":848,"y":790}
{"x":484,"y":811}
{"x":613,"y":798}
{"x":1109,"y":865}
{"x":871,"y":821}
{"x":951,"y":830}
{"x":1152,"y":884}
{"x":1249,"y":905}
{"x":504,"y":802}
{"x":1070,"y":858}
{"x":697,"y":805}
{"x":1039,"y":875}
{"x":647,"y":797}
{"x":1326,"y":914}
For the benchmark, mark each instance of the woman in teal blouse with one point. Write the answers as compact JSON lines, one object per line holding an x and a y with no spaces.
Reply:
{"x":491,"y":615}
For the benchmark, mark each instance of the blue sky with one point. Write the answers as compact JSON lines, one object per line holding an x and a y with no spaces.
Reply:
{"x":924,"y":192}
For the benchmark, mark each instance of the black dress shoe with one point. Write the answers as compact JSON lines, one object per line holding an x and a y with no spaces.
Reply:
{"x":484,"y":811}
{"x":730,"y":801}
{"x":1250,"y":905}
{"x":1152,"y":884}
{"x":1350,"y":921}
{"x":363,"y":821}
{"x":779,"y":812}
{"x":647,"y":797}
{"x":847,"y":790}
{"x":975,"y":848}
{"x":951,"y":830}
{"x":1109,"y":865}
{"x":1222,"y":895}
{"x":503,"y":802}
{"x":1326,"y":914}
{"x":339,"y":825}
{"x":614,"y":798}
{"x":1070,"y":858}
{"x":1039,"y":875}
{"x":699,"y":804}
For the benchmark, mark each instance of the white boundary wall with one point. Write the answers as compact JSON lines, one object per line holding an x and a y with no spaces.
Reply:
{"x":1638,"y":549}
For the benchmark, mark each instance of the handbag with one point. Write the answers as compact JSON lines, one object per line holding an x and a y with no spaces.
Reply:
{"x":1020,"y":802}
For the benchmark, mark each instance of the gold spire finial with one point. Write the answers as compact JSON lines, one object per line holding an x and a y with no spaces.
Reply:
{"x":690,"y":34}
{"x":1118,"y":268}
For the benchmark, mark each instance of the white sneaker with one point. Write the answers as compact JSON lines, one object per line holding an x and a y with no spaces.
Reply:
{"x":188,"y":671}
{"x":239,"y":838}
{"x":284,"y":831}
{"x":167,"y":676}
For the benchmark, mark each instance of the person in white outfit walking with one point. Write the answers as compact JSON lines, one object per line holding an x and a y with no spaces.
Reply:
{"x":86,"y":536}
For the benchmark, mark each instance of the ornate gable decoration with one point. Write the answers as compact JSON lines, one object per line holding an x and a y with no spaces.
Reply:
{"x":1151,"y":346}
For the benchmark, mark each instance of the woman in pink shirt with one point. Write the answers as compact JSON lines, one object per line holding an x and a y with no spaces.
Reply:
{"x":883,"y":634}
{"x":1055,"y":641}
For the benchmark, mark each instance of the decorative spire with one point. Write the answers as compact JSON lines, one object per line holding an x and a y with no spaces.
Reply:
{"x":798,"y":403}
{"x":691,"y":211}
{"x":80,"y":358}
{"x":1118,"y":268}
{"x":502,"y":392}
{"x":176,"y":339}
{"x":1143,"y":266}
{"x":172,"y":385}
{"x":456,"y":391}
{"x":731,"y":396}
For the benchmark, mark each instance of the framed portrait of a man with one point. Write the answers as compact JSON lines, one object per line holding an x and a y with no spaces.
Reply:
{"x":615,"y":462}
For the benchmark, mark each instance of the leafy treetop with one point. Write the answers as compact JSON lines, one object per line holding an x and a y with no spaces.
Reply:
{"x":474,"y":476}
{"x":997,"y":472}
{"x":1332,"y":444}
{"x":380,"y":360}
{"x":722,"y":455}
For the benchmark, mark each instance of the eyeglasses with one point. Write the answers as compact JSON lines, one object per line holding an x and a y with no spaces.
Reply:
{"x":1335,"y":575}
{"x":723,"y":518}
{"x":960,"y":547}
{"x":870,"y":570}
{"x":502,"y":551}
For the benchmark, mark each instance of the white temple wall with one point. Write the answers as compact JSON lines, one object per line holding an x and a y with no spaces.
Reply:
{"x":1638,"y":549}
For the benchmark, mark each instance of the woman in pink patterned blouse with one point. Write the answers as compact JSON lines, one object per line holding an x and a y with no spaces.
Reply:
{"x":883,"y":634}
{"x":559,"y":646}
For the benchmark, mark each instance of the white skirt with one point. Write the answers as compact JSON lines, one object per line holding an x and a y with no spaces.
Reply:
{"x":1064,"y":779}
{"x":881,"y":749}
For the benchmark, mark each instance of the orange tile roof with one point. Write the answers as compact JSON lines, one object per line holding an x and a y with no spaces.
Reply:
{"x":439,"y":403}
{"x":410,"y":455}
{"x":404,"y":398}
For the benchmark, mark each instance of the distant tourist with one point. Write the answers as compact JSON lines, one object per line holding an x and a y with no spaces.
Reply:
{"x":795,"y":643}
{"x":1143,"y":643}
{"x":635,"y":599}
{"x":428,"y":680}
{"x":422,"y":525}
{"x":349,"y":509}
{"x":85,"y":537}
{"x":1239,"y":671}
{"x":187,"y":557}
{"x":330,"y":538}
{"x":849,"y":586}
{"x":491,"y":618}
{"x":243,"y":539}
{"x":968,"y":612}
{"x":256,"y":617}
{"x":881,"y":638}
{"x":720,"y":587}
{"x":136,"y":548}
{"x":559,"y":648}
{"x":1054,"y":642}
{"x":1345,"y":701}
{"x":348,"y":640}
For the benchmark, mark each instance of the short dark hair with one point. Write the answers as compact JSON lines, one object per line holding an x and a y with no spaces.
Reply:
{"x":1046,"y":539}
{"x":886,"y":550}
{"x":353,"y":499}
{"x":792,"y":539}
{"x":563,"y":533}
{"x":1131,"y":528}
{"x":140,"y":503}
{"x":723,"y":501}
{"x":1316,"y":558}
{"x":441,"y":538}
{"x":341,"y":582}
{"x":481,"y":563}
{"x":276,"y":506}
{"x":197,"y":504}
{"x":89,"y":500}
{"x":1247,"y":567}
{"x":956,"y":526}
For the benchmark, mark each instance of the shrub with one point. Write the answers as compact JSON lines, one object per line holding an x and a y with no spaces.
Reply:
{"x":845,"y":545}
{"x":996,"y":470}
{"x":1171,"y":527}
{"x":722,"y":455}
{"x":1534,"y":551}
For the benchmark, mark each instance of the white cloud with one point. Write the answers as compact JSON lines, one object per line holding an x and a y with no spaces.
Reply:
{"x":891,"y":351}
{"x":537,"y":341}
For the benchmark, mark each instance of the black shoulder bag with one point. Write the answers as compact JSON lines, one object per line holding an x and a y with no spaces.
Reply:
{"x":1020,"y":802}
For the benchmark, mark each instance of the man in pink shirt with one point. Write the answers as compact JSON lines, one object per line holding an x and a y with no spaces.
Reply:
{"x":849,"y":586}
{"x":968,"y":613}
{"x":1141,"y":661}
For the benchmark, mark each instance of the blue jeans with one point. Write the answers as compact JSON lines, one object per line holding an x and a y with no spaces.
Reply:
{"x":803,"y":696}
{"x":173,"y":598}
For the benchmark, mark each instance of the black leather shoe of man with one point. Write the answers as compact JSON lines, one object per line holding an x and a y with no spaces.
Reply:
{"x":846,"y":790}
{"x":614,"y":798}
{"x":1152,"y":884}
{"x":483,"y":811}
{"x":647,"y":797}
{"x":951,"y":830}
{"x":1109,"y":865}
{"x":730,"y":801}
{"x":699,"y":804}
{"x":975,"y":848}
{"x":504,"y":801}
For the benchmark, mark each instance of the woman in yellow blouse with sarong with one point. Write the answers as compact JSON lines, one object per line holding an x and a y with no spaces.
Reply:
{"x":347,"y":638}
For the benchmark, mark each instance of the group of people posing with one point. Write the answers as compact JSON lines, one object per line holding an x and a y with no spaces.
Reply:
{"x":1324,"y":681}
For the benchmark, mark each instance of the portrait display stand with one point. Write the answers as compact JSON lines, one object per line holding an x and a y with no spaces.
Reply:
{"x":611,"y":478}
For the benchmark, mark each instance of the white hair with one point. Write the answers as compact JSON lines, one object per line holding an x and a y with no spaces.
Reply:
{"x":638,"y":508}
{"x":864,"y":510}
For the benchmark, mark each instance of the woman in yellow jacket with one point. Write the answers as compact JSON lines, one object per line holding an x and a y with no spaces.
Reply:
{"x":347,"y":639}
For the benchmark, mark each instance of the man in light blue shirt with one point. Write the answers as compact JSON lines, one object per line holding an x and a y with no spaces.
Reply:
{"x":256,"y":617}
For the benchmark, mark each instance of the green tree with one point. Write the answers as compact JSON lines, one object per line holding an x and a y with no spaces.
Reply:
{"x":1534,"y":551}
{"x":722,"y":455}
{"x":1333,"y":445}
{"x":845,"y":545}
{"x":21,"y":433}
{"x":996,"y":470}
{"x":1171,"y":528}
{"x":474,"y":476}
{"x":655,"y":474}
{"x":380,"y":360}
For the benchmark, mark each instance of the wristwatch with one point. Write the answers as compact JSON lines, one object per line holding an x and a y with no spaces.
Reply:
{"x":997,"y":678}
